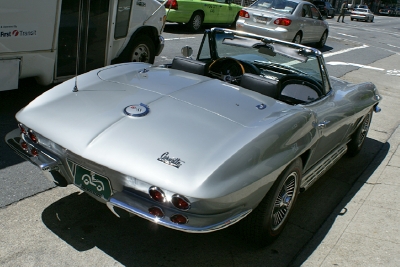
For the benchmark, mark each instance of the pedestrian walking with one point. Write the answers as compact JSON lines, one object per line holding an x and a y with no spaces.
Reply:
{"x":343,"y":9}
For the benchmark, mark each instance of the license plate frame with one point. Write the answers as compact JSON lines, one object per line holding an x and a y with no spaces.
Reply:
{"x":90,"y":181}
{"x":262,"y":20}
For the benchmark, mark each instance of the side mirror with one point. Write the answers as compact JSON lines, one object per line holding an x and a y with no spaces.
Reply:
{"x":187,"y":51}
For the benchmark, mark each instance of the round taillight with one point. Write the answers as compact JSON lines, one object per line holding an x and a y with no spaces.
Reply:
{"x":283,"y":21}
{"x":180,"y":202}
{"x":179,"y":219}
{"x":34,"y":152}
{"x":171,"y":4}
{"x":24,"y":146}
{"x":22,"y":129}
{"x":156,"y":211}
{"x":244,"y":14}
{"x":33,"y":136}
{"x":157,"y":194}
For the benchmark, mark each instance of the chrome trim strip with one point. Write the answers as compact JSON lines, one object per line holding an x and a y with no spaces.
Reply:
{"x":115,"y":202}
{"x":317,"y":171}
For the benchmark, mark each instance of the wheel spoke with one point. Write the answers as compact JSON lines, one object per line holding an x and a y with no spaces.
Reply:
{"x":282,"y":203}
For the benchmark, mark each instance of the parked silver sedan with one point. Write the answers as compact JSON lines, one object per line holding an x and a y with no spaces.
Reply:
{"x":289,"y":20}
{"x":362,"y":14}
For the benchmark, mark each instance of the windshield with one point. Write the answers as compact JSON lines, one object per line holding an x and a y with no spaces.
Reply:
{"x":268,"y":57}
{"x":281,"y":6}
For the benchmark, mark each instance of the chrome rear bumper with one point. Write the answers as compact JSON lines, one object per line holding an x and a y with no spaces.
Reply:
{"x":196,"y":223}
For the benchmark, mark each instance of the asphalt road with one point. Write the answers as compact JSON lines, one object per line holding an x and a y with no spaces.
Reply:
{"x":42,"y":225}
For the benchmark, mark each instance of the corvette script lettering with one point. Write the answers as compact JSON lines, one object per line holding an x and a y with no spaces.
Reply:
{"x":175,"y":162}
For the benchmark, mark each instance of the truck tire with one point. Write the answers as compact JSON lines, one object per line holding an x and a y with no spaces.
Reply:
{"x":142,"y":50}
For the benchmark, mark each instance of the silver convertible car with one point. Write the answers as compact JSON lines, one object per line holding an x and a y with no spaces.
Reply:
{"x":200,"y":144}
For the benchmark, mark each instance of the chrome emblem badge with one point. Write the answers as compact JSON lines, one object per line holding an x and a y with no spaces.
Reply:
{"x":261,"y":106}
{"x":137,"y":110}
{"x":174,"y":162}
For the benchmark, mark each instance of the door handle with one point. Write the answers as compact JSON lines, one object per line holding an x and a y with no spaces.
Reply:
{"x":323,"y":124}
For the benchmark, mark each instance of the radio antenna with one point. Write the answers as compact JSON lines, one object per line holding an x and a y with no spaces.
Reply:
{"x":78,"y":46}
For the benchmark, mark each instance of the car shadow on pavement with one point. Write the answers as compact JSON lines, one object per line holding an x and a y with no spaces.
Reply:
{"x":84,"y":223}
{"x":325,"y":48}
{"x":177,"y":28}
{"x":326,"y":192}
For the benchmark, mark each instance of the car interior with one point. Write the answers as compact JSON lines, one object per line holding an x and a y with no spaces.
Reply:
{"x":289,"y":88}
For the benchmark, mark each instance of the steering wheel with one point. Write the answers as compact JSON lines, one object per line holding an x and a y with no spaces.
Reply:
{"x":227,"y":69}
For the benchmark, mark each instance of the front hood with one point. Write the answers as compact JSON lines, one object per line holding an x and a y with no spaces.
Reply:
{"x":200,"y":120}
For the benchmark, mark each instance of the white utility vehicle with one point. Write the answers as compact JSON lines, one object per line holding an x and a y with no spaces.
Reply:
{"x":53,"y":40}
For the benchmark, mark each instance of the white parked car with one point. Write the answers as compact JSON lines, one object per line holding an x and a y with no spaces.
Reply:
{"x":362,"y":14}
{"x":289,"y":20}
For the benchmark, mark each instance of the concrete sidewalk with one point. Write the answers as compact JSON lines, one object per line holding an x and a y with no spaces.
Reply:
{"x":364,"y":230}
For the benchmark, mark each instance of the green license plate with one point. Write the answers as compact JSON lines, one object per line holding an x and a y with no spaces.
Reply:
{"x":90,"y":181}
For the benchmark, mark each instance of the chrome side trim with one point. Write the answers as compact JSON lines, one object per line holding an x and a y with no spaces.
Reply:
{"x":318,"y":170}
{"x":209,"y":223}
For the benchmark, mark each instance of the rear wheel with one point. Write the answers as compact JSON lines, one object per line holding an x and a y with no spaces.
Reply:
{"x":196,"y":22}
{"x":297,"y":38}
{"x":358,"y":138}
{"x":267,"y":221}
{"x":322,"y":41}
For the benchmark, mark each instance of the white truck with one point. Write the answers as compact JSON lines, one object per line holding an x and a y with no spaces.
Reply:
{"x":53,"y":40}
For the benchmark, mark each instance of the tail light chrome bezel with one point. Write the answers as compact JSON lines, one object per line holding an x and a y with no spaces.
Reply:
{"x":24,"y":145}
{"x":175,"y":219}
{"x":32,"y":135}
{"x":159,"y":215}
{"x":179,"y":198}
{"x":22,"y":128}
{"x":153,"y":190}
{"x":34,"y":152}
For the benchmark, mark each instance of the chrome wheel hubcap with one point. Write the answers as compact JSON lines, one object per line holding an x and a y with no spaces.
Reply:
{"x":197,"y":22}
{"x":284,"y":200}
{"x":364,"y":130}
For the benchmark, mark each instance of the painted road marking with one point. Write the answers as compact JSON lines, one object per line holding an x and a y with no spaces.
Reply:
{"x":393,"y":46}
{"x":179,"y":38}
{"x":336,"y":63}
{"x":344,"y":51}
{"x":388,"y":72}
{"x":393,"y":72}
{"x":347,"y":35}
